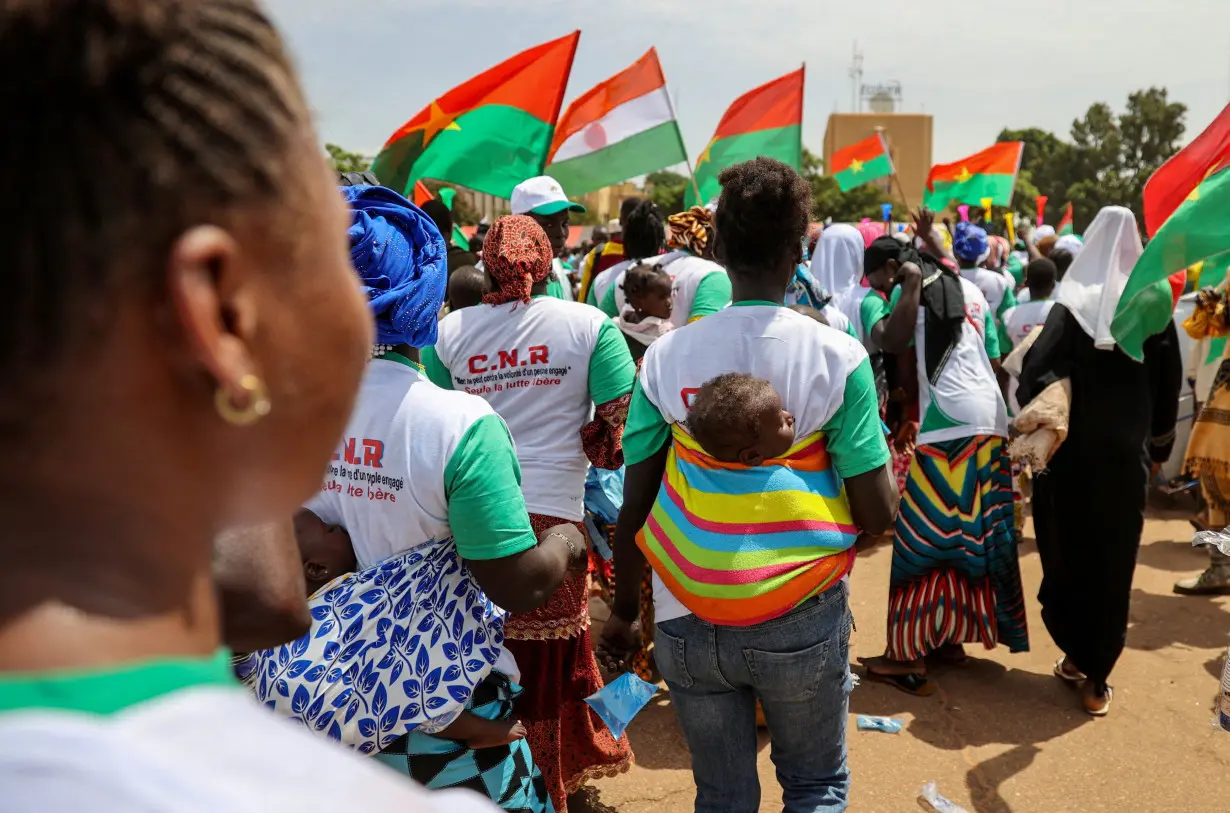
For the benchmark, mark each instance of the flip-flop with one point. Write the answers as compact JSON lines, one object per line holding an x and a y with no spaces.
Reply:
{"x":1105,"y":710}
{"x":1066,"y":676}
{"x":915,"y":684}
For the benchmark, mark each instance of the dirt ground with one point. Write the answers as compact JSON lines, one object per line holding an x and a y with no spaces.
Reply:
{"x":1003,"y":734}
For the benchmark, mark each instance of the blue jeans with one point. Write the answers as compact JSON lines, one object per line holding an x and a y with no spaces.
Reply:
{"x":797,"y":667}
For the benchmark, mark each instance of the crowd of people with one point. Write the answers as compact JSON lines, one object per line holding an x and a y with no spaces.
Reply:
{"x":769,"y":396}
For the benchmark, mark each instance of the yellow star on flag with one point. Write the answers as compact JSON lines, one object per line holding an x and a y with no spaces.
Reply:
{"x":964,"y":175}
{"x":437,"y":120}
{"x":704,"y":156}
{"x":856,"y":166}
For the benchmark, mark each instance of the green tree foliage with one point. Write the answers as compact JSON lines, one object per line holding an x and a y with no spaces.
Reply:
{"x":344,"y":161}
{"x":667,"y":189}
{"x":828,"y":201}
{"x":1107,"y":161}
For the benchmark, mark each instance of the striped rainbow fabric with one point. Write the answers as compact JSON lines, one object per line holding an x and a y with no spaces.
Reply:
{"x":738,"y":545}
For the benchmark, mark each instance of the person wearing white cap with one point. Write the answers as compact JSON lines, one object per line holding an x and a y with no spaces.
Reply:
{"x":543,"y":199}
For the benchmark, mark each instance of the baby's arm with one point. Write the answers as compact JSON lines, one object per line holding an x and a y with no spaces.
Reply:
{"x":477,"y":732}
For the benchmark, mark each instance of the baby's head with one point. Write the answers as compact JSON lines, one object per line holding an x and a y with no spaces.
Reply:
{"x":737,"y":418}
{"x":325,"y":550}
{"x":648,"y":290}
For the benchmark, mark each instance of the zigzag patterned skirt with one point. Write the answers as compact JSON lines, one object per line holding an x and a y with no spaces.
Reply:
{"x":955,"y":574}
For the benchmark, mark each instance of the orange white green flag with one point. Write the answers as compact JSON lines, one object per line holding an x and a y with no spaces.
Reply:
{"x":488,"y":134}
{"x":621,"y":128}
{"x":987,"y":174}
{"x":861,"y":163}
{"x":765,"y":121}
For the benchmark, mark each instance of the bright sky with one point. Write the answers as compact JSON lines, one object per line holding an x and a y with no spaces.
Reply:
{"x":370,"y":65}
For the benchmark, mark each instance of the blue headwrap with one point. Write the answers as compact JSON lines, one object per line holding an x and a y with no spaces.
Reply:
{"x":401,"y":260}
{"x":971,"y":243}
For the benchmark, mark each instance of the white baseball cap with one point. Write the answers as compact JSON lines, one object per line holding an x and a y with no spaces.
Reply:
{"x":541,"y":196}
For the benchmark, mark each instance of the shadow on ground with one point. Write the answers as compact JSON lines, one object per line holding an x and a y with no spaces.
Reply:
{"x":1029,"y":709}
{"x":1176,"y":556}
{"x":1157,"y":622}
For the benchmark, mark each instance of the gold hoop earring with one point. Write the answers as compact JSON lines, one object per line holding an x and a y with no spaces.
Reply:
{"x":258,"y":402}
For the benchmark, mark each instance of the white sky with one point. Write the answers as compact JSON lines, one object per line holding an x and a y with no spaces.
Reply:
{"x":977,"y":67}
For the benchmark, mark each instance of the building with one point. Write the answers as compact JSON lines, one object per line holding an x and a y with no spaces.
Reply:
{"x":605,"y":202}
{"x":909,"y":143}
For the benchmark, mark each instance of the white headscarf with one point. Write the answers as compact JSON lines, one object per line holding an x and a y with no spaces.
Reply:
{"x":1043,"y":231}
{"x":1093,"y":285}
{"x":1070,"y":243}
{"x":838,"y":262}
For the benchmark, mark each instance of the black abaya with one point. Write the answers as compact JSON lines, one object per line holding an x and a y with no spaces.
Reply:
{"x":1089,"y":505}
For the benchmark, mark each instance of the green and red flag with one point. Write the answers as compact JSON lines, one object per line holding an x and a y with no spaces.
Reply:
{"x":987,"y":174}
{"x":1169,"y":187}
{"x":488,"y":134}
{"x":421,"y":193}
{"x":767,"y":121}
{"x":1065,"y":222}
{"x":1197,"y":230}
{"x":861,"y":163}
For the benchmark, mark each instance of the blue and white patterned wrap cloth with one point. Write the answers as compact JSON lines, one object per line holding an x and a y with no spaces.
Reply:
{"x":395,"y":648}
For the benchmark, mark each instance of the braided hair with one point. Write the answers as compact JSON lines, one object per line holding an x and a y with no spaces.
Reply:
{"x":644,"y":231}
{"x":762,"y":214}
{"x":143,"y":118}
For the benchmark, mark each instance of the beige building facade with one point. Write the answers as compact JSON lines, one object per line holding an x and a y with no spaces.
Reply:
{"x":909,"y":143}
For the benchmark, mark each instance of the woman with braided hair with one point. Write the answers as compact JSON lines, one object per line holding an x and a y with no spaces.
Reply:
{"x":644,"y":236}
{"x":180,"y":267}
{"x":546,"y":365}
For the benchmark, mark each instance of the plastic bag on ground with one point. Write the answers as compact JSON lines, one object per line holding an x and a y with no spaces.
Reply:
{"x":621,"y":700}
{"x":889,"y":725}
{"x":1218,"y":539}
{"x":930,"y":795}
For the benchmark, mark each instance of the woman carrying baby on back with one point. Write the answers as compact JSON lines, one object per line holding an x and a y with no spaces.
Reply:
{"x":406,"y":657}
{"x":755,"y":456}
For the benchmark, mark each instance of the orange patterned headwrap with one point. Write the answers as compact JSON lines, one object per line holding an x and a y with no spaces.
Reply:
{"x":691,"y":230}
{"x":517,"y":255}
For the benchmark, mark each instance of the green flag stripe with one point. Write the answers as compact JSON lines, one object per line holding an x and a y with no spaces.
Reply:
{"x":996,"y":187}
{"x":647,"y":151}
{"x":873,"y":170}
{"x":783,"y":143}
{"x":1198,"y":230}
{"x":496,"y":148}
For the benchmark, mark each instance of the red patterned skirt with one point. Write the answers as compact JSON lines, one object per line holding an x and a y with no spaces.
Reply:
{"x":570,"y":744}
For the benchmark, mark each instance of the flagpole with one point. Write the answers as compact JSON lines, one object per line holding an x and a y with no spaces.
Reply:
{"x":881,"y":130}
{"x":686,"y":160}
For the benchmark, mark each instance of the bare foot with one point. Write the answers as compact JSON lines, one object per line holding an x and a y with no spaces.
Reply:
{"x":499,"y":732}
{"x":881,"y":665}
{"x":1097,"y":703}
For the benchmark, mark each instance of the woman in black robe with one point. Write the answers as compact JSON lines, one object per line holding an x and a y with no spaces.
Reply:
{"x":1088,"y":505}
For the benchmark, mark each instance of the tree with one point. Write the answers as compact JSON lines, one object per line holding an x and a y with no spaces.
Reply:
{"x":1108,"y":160}
{"x":667,"y":189}
{"x":828,"y":201}
{"x":344,"y":161}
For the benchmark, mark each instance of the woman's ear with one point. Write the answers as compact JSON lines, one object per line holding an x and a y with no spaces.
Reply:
{"x":316,"y":572}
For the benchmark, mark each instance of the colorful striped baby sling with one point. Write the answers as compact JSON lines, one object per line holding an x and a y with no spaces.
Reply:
{"x":738,"y":545}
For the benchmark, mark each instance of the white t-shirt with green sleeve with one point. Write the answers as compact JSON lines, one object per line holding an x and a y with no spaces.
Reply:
{"x":418,"y":464}
{"x":181,"y":735}
{"x":542,"y":366}
{"x":996,"y":288}
{"x":965,"y":400}
{"x":822,"y":375}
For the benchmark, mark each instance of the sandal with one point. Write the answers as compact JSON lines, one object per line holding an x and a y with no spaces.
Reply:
{"x":950,"y":654}
{"x":914,"y":683}
{"x":1100,"y":710}
{"x":1066,"y":673}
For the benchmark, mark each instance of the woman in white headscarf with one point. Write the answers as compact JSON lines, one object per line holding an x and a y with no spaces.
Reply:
{"x":1089,"y":504}
{"x":837,"y":265}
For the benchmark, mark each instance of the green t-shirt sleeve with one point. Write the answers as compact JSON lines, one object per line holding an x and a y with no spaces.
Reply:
{"x":1005,"y":342}
{"x":436,"y":372}
{"x":554,"y":288}
{"x":1016,"y":269}
{"x":855,"y":434}
{"x":872,"y":310}
{"x":647,"y":431}
{"x":1008,"y":304}
{"x":611,"y":369}
{"x":712,"y":294}
{"x":850,"y":330}
{"x":607,"y":305}
{"x":591,"y":297}
{"x":482,"y":482}
{"x":991,"y":339}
